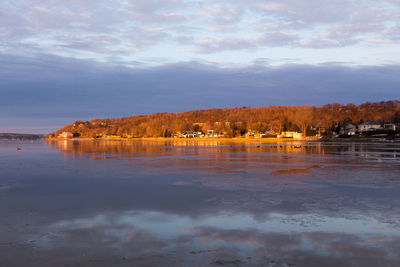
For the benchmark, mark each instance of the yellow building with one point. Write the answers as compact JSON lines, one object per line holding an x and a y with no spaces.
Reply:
{"x":294,"y":135}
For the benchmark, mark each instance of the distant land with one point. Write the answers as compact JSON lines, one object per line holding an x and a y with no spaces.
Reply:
{"x":380,"y":119}
{"x":16,"y":136}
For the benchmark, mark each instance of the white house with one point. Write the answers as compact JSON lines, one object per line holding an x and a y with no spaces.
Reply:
{"x":213,"y":134}
{"x":189,"y":134}
{"x":369,"y":126}
{"x":349,"y":129}
{"x":390,"y":126}
{"x":65,"y":135}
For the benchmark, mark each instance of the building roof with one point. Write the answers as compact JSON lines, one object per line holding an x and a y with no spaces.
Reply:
{"x":370,"y":123}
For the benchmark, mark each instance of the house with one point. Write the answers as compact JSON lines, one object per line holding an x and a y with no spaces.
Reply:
{"x":369,"y":126}
{"x":250,"y":133}
{"x":178,"y":135}
{"x":194,"y":134}
{"x":349,"y":129}
{"x":269,"y":131}
{"x":190,"y":134}
{"x":336,"y":130}
{"x":294,"y":135}
{"x":390,"y":127}
{"x":113,"y":136}
{"x":66,"y":135}
{"x":320,"y":131}
{"x":212,"y":134}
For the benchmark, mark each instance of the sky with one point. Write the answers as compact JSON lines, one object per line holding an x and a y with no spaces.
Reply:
{"x":61,"y":61}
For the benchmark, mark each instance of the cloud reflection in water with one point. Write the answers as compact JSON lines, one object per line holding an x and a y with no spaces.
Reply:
{"x":176,"y":203}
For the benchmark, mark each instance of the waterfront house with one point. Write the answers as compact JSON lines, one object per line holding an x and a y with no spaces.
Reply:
{"x":66,"y":135}
{"x":178,"y":135}
{"x":212,"y":134}
{"x":112,"y":136}
{"x":369,"y":126}
{"x":349,"y":129}
{"x":390,"y":127}
{"x":189,"y":134}
{"x":250,"y":133}
{"x":320,"y":131}
{"x":294,"y":135}
{"x":269,"y":131}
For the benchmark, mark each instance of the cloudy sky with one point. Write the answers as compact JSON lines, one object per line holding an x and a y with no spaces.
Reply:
{"x":61,"y":61}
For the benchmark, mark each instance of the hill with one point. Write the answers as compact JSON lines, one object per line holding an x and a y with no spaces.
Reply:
{"x":233,"y":122}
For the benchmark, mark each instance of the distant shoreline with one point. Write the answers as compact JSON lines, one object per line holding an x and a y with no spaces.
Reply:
{"x":19,"y":136}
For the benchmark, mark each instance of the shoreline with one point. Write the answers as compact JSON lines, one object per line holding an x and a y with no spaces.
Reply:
{"x":239,"y":140}
{"x":188,"y":139}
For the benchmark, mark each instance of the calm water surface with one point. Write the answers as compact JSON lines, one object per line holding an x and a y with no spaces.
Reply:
{"x":88,"y":203}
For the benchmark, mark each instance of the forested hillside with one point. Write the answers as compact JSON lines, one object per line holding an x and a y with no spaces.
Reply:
{"x":236,"y":121}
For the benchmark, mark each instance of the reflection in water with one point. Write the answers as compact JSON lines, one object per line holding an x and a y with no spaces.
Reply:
{"x":185,"y":203}
{"x":390,"y":149}
{"x":150,"y":234}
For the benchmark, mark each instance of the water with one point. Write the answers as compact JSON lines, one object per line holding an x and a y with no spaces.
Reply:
{"x":181,"y":203}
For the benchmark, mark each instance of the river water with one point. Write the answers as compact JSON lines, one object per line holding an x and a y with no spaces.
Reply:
{"x":185,"y":203}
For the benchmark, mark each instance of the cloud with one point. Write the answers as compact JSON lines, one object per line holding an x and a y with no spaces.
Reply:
{"x":393,"y":33}
{"x":224,"y":15}
{"x":321,"y":43}
{"x":156,"y":12}
{"x":325,"y":11}
{"x":57,"y":87}
{"x":73,"y":28}
{"x":213,"y":44}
